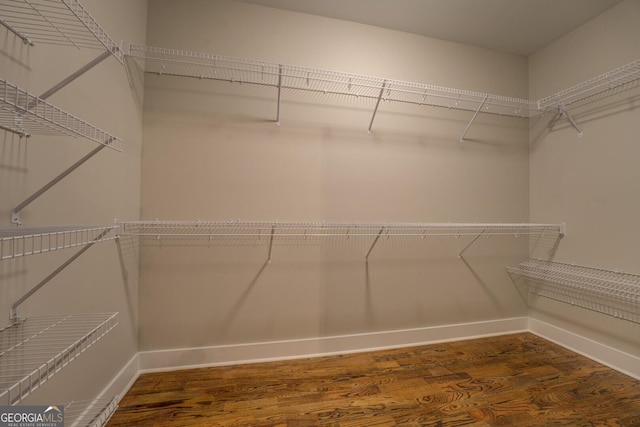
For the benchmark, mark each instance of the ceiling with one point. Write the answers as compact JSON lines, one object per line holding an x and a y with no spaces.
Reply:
{"x":515,"y":26}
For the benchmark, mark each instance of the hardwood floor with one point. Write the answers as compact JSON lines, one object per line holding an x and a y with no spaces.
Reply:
{"x":514,"y":380}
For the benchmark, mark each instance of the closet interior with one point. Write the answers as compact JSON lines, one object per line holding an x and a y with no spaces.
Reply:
{"x":236,"y":271}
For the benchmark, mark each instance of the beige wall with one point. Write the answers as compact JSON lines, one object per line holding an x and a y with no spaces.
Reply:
{"x":591,"y":183}
{"x":212,"y":152}
{"x":105,"y":188}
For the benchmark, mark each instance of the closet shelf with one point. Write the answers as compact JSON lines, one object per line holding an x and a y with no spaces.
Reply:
{"x":584,"y":91}
{"x":610,"y":292}
{"x":34,"y":349}
{"x":58,"y":22}
{"x":23,"y":241}
{"x":189,"y":229}
{"x":296,"y":78}
{"x":90,"y":413}
{"x":26,"y":114}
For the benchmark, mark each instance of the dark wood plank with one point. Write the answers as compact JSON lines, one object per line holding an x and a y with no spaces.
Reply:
{"x":512,"y":380}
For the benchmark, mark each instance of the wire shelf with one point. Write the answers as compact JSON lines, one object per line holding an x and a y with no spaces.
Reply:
{"x":583,"y":91}
{"x":25,"y":114}
{"x":58,"y":22}
{"x":605,"y":291}
{"x":89,"y":413}
{"x":208,"y":229}
{"x":23,"y":241}
{"x":296,"y":78}
{"x":35,"y":349}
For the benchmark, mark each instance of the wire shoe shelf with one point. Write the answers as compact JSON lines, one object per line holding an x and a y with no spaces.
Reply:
{"x":34,"y":349}
{"x":614,"y":293}
{"x":57,"y":22}
{"x":89,"y":413}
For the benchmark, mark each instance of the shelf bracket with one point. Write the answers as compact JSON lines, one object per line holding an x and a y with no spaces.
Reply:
{"x":273,"y":230}
{"x":471,"y":243}
{"x":279,"y":94}
{"x":473,"y":119}
{"x":366,"y":258}
{"x":20,"y":35}
{"x":566,"y":114}
{"x":15,"y":213}
{"x":375,"y":110}
{"x":13,"y":316}
{"x":77,"y":74}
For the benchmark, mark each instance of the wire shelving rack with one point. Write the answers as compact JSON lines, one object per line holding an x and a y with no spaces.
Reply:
{"x":195,"y":232}
{"x":34,"y":349}
{"x":174,"y":62}
{"x":283,"y":77}
{"x":89,"y":413}
{"x":614,"y":293}
{"x":582,"y":92}
{"x":236,"y":228}
{"x":57,"y":22}
{"x":25,"y":114}
{"x":23,"y":241}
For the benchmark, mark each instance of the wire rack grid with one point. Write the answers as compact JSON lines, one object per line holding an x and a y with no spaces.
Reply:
{"x":288,"y":77}
{"x":608,"y":81}
{"x":34,"y":349}
{"x":232,"y":228}
{"x":23,"y":241}
{"x":605,"y":291}
{"x":25,"y":114}
{"x":57,"y":22}
{"x":89,"y":413}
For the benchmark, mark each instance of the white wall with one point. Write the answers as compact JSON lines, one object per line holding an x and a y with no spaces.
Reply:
{"x":591,"y":183}
{"x":212,"y":152}
{"x":105,"y":188}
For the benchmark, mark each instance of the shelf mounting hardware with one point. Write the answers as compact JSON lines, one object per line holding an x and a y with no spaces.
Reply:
{"x":15,"y":213}
{"x":23,"y":37}
{"x":366,"y":258}
{"x":273,"y":230}
{"x":470,"y":243}
{"x":76,"y":74}
{"x":566,"y":114}
{"x":13,"y":316}
{"x":279,"y":94}
{"x":473,"y":119}
{"x":375,"y":110}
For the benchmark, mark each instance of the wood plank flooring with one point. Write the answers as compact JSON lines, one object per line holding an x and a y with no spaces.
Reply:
{"x":514,"y":380}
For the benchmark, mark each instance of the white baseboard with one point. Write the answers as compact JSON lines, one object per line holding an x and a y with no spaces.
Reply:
{"x":620,"y":361}
{"x":184,"y":358}
{"x":123,"y":381}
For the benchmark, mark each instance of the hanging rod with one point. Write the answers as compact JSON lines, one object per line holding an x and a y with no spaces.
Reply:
{"x":37,"y":348}
{"x":610,"y":292}
{"x":58,"y":22}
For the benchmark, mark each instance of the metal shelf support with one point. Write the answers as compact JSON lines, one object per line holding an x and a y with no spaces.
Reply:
{"x":13,"y":316}
{"x":366,"y":258}
{"x":15,"y":213}
{"x":566,"y":114}
{"x":375,"y":110}
{"x":473,"y":119}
